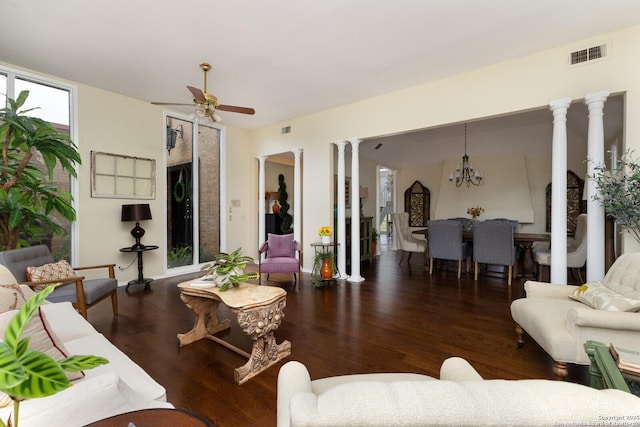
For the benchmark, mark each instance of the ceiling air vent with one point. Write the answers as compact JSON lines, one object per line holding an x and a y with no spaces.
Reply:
{"x":588,"y":54}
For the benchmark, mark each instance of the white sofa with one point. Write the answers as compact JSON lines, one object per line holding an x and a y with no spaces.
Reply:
{"x":117,"y":387}
{"x":604,"y":311}
{"x":461,"y":398}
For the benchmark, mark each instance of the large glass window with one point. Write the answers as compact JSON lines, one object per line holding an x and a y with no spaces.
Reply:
{"x":52,"y":103}
{"x":193,"y":192}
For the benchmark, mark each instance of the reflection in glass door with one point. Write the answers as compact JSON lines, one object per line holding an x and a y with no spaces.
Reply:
{"x":193,"y":193}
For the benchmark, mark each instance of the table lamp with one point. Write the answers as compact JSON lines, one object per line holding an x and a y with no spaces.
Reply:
{"x":136,"y":213}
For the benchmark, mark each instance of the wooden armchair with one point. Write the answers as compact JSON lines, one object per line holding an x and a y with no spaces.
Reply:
{"x":82,"y":293}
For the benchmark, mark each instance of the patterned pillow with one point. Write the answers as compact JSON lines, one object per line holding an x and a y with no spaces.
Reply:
{"x":52,"y":271}
{"x":596,"y":295}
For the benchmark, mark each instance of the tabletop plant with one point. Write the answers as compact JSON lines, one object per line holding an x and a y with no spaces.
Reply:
{"x":618,"y":191}
{"x":26,"y":373}
{"x":28,"y":196}
{"x":228,"y":269}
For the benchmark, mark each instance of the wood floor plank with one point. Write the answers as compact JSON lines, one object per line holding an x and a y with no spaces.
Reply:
{"x":400,"y":319}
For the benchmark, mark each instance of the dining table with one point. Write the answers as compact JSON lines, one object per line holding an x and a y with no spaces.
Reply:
{"x":523,"y":240}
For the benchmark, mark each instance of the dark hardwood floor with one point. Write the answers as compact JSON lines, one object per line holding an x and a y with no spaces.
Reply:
{"x":399,"y":319}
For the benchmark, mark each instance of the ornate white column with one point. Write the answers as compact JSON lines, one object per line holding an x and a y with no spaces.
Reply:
{"x":355,"y":212}
{"x":595,"y":154}
{"x":261,"y":207}
{"x":297,"y":191}
{"x":341,"y":235}
{"x":559,"y":191}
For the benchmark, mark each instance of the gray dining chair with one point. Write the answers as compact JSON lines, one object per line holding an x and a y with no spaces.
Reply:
{"x":493,"y":244}
{"x":445,"y":242}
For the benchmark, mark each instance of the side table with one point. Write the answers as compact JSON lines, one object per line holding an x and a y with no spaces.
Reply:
{"x":324,"y":249}
{"x":604,"y":371}
{"x":139,"y":250}
{"x":153,"y":417}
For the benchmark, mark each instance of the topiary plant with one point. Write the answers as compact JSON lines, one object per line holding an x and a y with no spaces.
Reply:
{"x":286,"y":217}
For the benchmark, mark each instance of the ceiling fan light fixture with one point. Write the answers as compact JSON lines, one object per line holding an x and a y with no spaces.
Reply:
{"x":200,"y":111}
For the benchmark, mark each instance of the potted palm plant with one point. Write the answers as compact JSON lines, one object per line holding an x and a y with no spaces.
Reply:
{"x":27,"y":373}
{"x":28,"y":198}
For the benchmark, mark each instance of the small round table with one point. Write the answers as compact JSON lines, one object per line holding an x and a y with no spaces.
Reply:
{"x":139,"y":250}
{"x":152,"y":418}
{"x":323,"y":249}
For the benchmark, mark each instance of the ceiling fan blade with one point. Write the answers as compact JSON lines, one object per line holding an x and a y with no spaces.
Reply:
{"x":234,"y":109}
{"x":197,"y":94}
{"x":169,"y":103}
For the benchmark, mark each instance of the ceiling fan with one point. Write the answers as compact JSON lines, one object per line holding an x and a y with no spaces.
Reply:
{"x":207,"y":104}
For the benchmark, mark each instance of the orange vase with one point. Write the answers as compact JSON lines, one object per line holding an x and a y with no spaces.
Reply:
{"x":275,"y":208}
{"x":325,"y":271}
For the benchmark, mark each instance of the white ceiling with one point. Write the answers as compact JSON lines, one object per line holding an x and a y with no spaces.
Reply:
{"x":287,"y":58}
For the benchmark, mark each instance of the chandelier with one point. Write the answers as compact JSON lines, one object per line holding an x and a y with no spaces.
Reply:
{"x":466,"y":174}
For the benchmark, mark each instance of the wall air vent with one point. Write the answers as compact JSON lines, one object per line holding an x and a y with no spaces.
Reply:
{"x":588,"y":54}
{"x":286,"y":129}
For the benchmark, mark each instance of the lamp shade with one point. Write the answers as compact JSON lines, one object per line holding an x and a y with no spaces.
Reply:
{"x":136,"y":212}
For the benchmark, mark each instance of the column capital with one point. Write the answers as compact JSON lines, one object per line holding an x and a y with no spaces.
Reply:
{"x":594,"y":97}
{"x":354,"y":141}
{"x":262,"y":158}
{"x":297,"y":151}
{"x":560,"y":104}
{"x":341,"y":143}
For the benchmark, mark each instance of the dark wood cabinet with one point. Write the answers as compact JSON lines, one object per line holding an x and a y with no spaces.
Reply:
{"x":366,"y":225}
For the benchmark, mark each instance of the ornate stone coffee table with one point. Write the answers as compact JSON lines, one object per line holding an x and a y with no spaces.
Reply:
{"x":259,"y":310}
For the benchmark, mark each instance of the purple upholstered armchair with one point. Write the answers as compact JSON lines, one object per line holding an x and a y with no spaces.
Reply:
{"x":281,"y":255}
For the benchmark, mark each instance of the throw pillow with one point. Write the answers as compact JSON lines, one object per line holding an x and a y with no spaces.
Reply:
{"x":6,"y":276}
{"x":11,"y":297}
{"x":41,"y":338}
{"x":598,"y":296}
{"x":51,"y":271}
{"x":281,"y":245}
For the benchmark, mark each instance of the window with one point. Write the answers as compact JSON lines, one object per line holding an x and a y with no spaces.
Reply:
{"x":52,"y":102}
{"x":193,"y":193}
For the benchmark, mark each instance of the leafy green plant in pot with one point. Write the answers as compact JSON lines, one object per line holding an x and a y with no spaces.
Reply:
{"x":318,"y":261}
{"x":27,"y":374}
{"x":618,"y":191}
{"x":28,"y":198}
{"x":374,"y":241}
{"x":228,"y":269}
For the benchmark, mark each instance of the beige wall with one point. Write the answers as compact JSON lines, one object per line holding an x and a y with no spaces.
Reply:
{"x":118,"y":124}
{"x":526,"y":83}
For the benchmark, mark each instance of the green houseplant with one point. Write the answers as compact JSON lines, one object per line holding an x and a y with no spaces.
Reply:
{"x":318,"y":260}
{"x":28,"y":198}
{"x":228,"y":269}
{"x":287,"y":219}
{"x":618,"y":191}
{"x":27,"y":374}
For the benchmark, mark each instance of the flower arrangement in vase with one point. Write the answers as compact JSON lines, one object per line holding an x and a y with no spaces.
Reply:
{"x":325,"y":234}
{"x":475,"y":212}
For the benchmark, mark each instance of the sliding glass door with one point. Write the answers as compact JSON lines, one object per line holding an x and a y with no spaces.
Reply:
{"x":193,"y":192}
